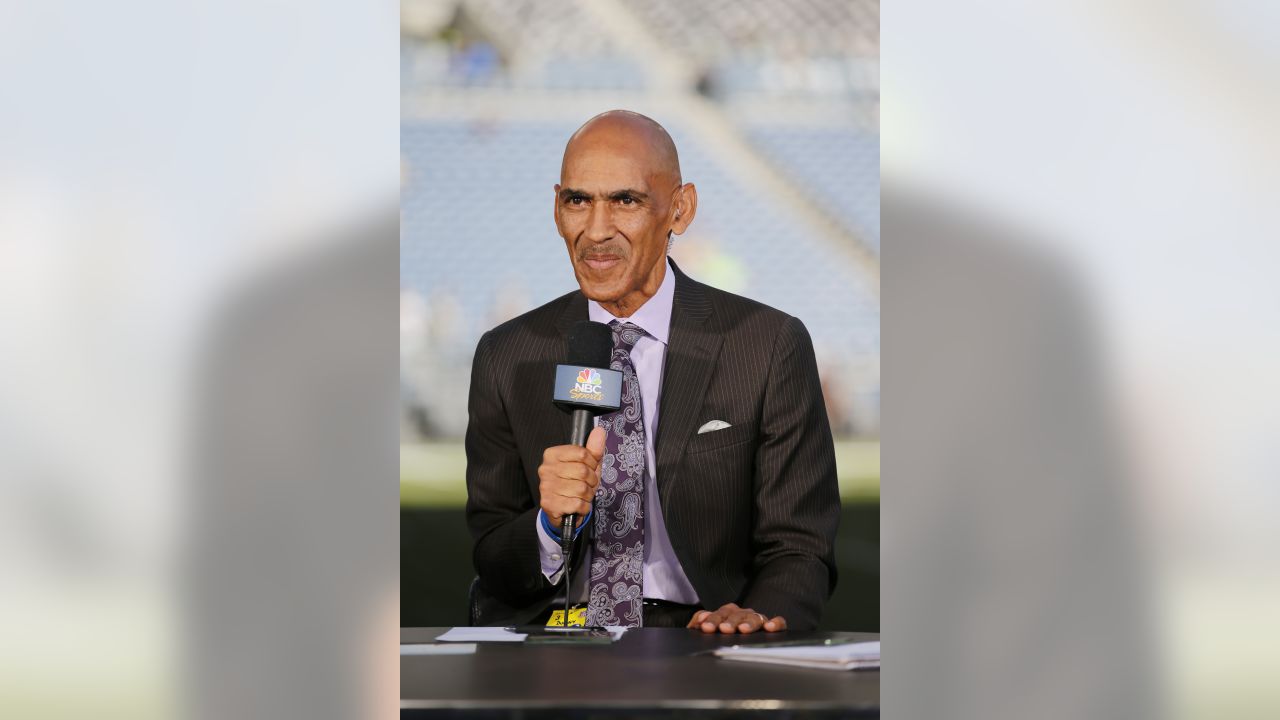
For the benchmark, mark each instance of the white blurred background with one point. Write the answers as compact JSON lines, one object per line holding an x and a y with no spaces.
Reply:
{"x":1133,"y":144}
{"x":158,"y":161}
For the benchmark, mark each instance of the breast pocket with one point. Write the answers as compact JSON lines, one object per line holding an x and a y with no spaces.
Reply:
{"x":720,"y":465}
{"x":717,"y":439}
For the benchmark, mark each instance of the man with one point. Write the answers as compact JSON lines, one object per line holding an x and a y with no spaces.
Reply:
{"x":709,"y":500}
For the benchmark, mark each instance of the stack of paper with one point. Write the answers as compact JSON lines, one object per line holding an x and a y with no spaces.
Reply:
{"x":844,"y":656}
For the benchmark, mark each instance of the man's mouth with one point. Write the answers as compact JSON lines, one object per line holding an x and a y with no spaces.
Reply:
{"x":602,"y":262}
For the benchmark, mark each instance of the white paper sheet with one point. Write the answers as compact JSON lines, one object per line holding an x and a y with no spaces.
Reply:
{"x":434,"y":649}
{"x":480,"y":634}
{"x":497,"y":634}
{"x":849,"y":656}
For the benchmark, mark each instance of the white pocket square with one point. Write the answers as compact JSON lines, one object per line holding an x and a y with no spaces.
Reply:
{"x":713,"y":426}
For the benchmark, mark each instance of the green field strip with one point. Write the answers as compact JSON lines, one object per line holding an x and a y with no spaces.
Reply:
{"x":433,"y":474}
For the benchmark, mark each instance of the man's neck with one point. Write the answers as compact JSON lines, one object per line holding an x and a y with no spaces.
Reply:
{"x":627,"y":305}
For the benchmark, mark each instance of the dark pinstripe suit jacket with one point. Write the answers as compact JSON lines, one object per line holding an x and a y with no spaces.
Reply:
{"x":751,"y":510}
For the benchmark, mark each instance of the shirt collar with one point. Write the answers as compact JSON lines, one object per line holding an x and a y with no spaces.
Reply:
{"x":654,"y":316}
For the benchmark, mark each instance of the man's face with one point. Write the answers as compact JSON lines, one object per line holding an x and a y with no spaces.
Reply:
{"x":613,"y":210}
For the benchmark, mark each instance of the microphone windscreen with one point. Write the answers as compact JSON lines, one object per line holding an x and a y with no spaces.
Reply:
{"x":590,"y":344}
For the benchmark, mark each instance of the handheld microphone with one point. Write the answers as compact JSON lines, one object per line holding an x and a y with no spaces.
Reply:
{"x":586,"y":387}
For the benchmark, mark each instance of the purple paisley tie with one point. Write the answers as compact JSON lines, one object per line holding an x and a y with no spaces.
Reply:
{"x":617,"y":562}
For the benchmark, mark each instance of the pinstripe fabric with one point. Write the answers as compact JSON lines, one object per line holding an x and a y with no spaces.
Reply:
{"x":751,"y":510}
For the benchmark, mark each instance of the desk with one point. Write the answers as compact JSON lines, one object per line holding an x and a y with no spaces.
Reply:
{"x":650,"y":670}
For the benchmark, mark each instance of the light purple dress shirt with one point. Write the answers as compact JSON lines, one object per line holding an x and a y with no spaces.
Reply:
{"x":664,"y":579}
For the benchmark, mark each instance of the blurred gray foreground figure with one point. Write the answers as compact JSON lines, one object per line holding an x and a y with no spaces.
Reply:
{"x":292,"y":535}
{"x":1012,"y":583}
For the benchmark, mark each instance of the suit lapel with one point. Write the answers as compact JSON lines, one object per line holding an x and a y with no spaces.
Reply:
{"x":555,"y":425}
{"x":692,"y":351}
{"x":574,"y":310}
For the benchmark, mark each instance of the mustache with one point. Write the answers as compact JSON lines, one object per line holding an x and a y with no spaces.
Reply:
{"x":618,"y":250}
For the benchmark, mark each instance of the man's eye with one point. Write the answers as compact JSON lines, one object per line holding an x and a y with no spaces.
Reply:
{"x":626,"y":200}
{"x":577,"y":200}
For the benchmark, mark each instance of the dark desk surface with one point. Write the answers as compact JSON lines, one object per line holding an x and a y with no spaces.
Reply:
{"x":648,"y":669}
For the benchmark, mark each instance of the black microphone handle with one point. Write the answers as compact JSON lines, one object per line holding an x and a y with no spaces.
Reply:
{"x":579,"y":429}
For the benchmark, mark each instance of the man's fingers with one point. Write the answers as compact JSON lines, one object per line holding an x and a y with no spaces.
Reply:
{"x":711,"y":623}
{"x":573,"y":454}
{"x":595,"y":445}
{"x":566,"y":506}
{"x":576,"y":489}
{"x":730,"y":619}
{"x":580,"y":473}
{"x":697,"y":618}
{"x":592,"y":477}
{"x":556,"y":508}
{"x":738,"y":619}
{"x":751,"y":622}
{"x":729,"y":622}
{"x":714,"y":620}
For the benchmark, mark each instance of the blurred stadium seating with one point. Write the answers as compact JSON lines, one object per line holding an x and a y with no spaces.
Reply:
{"x":494,"y":88}
{"x":841,"y":166}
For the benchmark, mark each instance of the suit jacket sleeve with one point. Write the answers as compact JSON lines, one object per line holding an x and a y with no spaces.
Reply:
{"x":501,"y":509}
{"x":797,"y":499}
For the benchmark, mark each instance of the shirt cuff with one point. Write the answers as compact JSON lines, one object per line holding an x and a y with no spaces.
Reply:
{"x":554,"y":532}
{"x":549,"y":550}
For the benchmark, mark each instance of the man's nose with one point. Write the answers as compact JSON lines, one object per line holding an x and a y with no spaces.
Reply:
{"x":600,"y":223}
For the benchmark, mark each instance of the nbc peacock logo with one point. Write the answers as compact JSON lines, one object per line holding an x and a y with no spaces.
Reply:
{"x":588,"y":386}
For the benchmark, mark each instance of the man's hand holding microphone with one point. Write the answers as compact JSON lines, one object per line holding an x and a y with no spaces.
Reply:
{"x":567,"y":481}
{"x":568,"y":478}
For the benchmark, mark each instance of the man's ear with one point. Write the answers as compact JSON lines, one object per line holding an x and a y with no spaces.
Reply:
{"x":686,"y":207}
{"x":555,"y":208}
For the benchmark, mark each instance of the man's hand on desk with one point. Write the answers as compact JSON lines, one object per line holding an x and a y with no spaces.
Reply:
{"x":568,"y":476}
{"x":731,"y":619}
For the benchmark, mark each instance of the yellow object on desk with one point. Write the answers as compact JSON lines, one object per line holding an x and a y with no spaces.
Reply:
{"x":577,"y":617}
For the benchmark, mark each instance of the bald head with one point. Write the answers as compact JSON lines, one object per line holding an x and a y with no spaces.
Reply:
{"x":619,"y":201}
{"x":623,"y":133}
